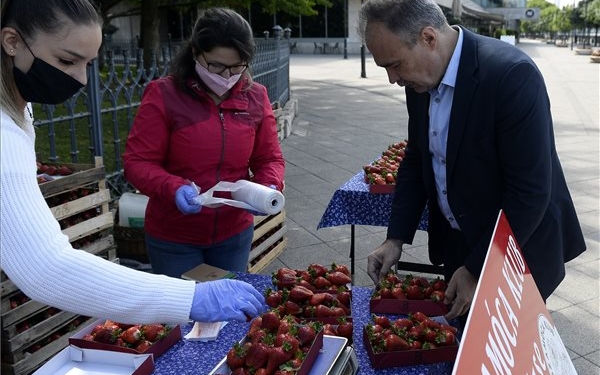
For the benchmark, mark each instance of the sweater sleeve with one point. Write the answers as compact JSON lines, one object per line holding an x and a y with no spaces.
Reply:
{"x":39,"y":259}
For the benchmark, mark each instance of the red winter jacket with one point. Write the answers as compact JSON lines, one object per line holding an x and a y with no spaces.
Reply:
{"x":177,"y":137}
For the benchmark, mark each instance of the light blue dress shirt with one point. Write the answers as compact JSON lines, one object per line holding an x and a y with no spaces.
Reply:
{"x":440,"y":105}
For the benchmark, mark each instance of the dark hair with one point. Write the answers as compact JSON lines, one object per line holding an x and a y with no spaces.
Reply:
{"x":30,"y":17}
{"x":405,"y":18}
{"x":215,"y":27}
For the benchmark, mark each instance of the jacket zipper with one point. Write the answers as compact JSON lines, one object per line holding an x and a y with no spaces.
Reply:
{"x":218,"y":175}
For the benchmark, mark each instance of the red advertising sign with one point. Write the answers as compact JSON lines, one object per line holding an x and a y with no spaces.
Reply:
{"x":509,"y":329}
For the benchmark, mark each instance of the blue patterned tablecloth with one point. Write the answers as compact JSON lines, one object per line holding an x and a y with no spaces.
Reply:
{"x":353,"y":204}
{"x":199,"y":358}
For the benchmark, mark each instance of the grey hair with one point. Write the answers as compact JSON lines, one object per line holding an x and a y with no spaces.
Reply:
{"x":405,"y":18}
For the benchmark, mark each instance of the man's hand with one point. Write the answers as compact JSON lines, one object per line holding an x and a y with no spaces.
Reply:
{"x":383,"y":258}
{"x":460,"y":292}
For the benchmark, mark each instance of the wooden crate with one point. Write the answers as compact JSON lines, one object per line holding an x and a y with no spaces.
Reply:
{"x":268,"y":242}
{"x":23,"y":362}
{"x":80,"y":203}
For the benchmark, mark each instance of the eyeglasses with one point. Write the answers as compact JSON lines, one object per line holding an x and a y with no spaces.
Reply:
{"x":218,"y":68}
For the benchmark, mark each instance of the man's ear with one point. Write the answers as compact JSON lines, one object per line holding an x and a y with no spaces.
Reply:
{"x":429,"y":35}
{"x":11,"y":41}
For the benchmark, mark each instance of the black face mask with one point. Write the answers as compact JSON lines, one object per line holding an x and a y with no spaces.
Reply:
{"x":44,"y":83}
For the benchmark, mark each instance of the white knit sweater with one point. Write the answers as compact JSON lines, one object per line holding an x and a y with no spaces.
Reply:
{"x":39,"y":259}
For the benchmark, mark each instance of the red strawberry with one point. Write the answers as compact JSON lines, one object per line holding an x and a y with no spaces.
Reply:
{"x":106,"y":335}
{"x":339,"y":278}
{"x":414,"y":292}
{"x":437,"y":296}
{"x":236,"y":356}
{"x":317,"y":299}
{"x":345,"y":328}
{"x":381,"y":320}
{"x":306,"y":334}
{"x":316,"y":270}
{"x":277,"y":356}
{"x":273,"y":297}
{"x":439,"y":284}
{"x":340,"y":268}
{"x":257,"y":355}
{"x":131,"y":335}
{"x":287,"y":339}
{"x":143,"y":346}
{"x":154,"y":332}
{"x":270,"y":321}
{"x":300,"y":294}
{"x":394,"y":343}
{"x":321,"y":283}
{"x":292,"y":308}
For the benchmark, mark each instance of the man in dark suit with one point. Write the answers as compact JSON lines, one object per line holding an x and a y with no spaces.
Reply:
{"x":480,"y":140}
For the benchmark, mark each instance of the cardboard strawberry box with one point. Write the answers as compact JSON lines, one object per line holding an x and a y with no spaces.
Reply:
{"x":156,"y":349}
{"x":407,"y":306}
{"x":382,"y":189}
{"x":74,"y":360}
{"x":223,"y":369}
{"x":409,"y":356}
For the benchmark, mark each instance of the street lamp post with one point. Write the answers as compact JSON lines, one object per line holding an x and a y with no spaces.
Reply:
{"x":363,"y":71}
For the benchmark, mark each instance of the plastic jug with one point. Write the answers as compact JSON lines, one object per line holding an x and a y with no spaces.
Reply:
{"x":132,"y":210}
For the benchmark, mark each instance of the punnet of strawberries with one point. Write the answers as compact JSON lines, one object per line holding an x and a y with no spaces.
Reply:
{"x":410,"y":287}
{"x":135,"y":336}
{"x":414,"y":332}
{"x":384,"y":170}
{"x":315,"y":277}
{"x":274,"y":345}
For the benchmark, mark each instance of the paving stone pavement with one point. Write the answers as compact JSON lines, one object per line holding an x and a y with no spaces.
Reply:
{"x":345,"y":121}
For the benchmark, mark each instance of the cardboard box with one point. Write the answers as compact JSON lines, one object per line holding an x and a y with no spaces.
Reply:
{"x":74,"y":360}
{"x":305,"y":368}
{"x":407,"y":306}
{"x":382,"y":189}
{"x":410,"y":357}
{"x":156,"y":349}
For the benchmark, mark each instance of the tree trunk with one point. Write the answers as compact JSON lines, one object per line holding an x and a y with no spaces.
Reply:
{"x":149,"y":34}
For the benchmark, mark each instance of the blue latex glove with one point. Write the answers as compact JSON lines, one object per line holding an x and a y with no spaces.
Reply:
{"x":258,"y":213}
{"x":225,"y":300}
{"x":188,"y":200}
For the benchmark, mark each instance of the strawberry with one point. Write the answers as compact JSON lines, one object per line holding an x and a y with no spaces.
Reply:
{"x":236,"y":356}
{"x":255,"y":325}
{"x":439,"y":284}
{"x":340,"y":268}
{"x":306,"y":334}
{"x":414,"y":292}
{"x":345,"y":328}
{"x":306,"y":284}
{"x":270,"y":321}
{"x":242,"y":371}
{"x":106,"y":335}
{"x":287,"y":339}
{"x":398,"y":293}
{"x":261,"y":371}
{"x":257,"y":355}
{"x":131,"y":335}
{"x":394,"y":343}
{"x":339,"y":278}
{"x":277,"y":357}
{"x":63,"y":170}
{"x":321,"y":283}
{"x":418,"y":317}
{"x":437,"y":296}
{"x":273,"y":298}
{"x":154,"y":332}
{"x":343,"y":295}
{"x":143,"y":346}
{"x":402,"y":323}
{"x":300,"y":294}
{"x":381,"y":320}
{"x":445,"y":337}
{"x":292,"y":308}
{"x":316,"y":270}
{"x":317,"y":299}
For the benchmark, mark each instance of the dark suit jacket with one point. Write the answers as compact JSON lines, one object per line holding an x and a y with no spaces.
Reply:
{"x":500,"y":155}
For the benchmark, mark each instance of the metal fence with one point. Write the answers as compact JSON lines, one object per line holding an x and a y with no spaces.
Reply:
{"x":96,"y":120}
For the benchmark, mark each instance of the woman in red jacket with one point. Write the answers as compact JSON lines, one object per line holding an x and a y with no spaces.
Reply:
{"x":206,"y":122}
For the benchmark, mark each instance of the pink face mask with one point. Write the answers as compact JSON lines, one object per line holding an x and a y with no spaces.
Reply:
{"x":217,"y":83}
